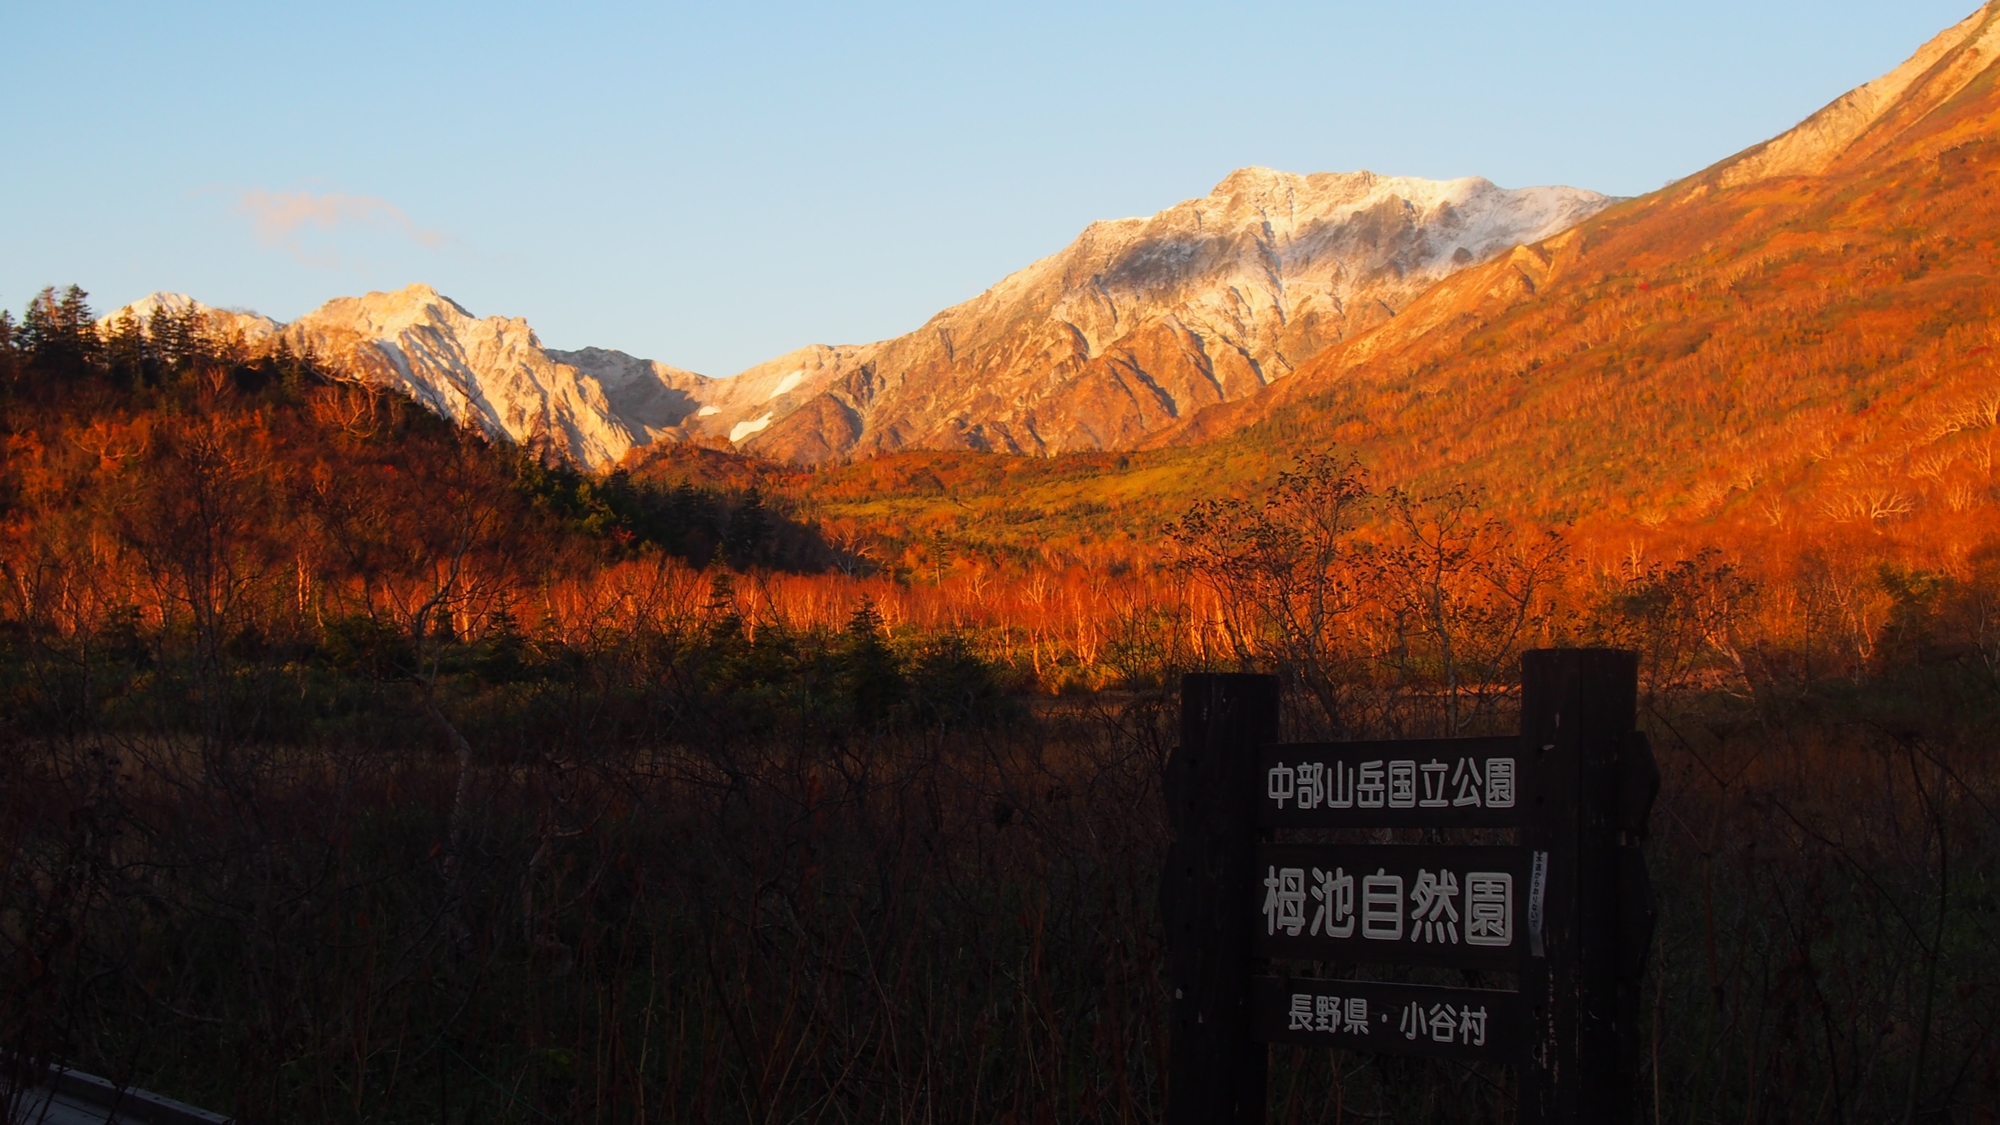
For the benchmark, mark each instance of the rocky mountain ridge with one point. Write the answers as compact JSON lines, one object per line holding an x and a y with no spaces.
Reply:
{"x":254,"y":328}
{"x":1139,"y":322}
{"x":1798,"y":338}
{"x":1936,"y":104}
{"x":1131,"y":327}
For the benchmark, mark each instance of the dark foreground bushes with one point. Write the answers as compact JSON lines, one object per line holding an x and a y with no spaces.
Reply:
{"x":685,"y":880}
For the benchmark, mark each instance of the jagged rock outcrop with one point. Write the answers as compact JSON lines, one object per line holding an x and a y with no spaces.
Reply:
{"x":590,"y":407}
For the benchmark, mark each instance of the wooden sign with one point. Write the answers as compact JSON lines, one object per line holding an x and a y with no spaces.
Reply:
{"x":1566,"y":909}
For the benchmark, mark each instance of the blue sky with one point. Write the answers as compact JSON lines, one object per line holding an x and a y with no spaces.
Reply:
{"x":712,"y":185}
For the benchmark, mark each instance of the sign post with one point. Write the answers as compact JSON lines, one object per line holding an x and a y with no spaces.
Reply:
{"x":1566,"y":908}
{"x":1216,"y":1065}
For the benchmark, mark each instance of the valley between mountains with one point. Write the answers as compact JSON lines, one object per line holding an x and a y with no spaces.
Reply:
{"x":1796,"y":340}
{"x":404,"y":720}
{"x":1131,"y":327}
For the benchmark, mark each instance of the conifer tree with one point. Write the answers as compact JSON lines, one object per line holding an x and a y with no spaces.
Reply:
{"x":8,"y":353}
{"x":749,"y":529}
{"x":58,"y":333}
{"x":874,"y":678}
{"x":126,"y":350}
{"x":725,"y":623}
{"x":179,"y":338}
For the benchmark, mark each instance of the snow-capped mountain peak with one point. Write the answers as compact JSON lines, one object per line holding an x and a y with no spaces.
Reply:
{"x":591,"y":407}
{"x":1135,"y":324}
{"x":254,"y":327}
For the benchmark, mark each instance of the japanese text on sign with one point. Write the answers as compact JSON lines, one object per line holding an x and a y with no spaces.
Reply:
{"x":1403,"y":783}
{"x":1444,"y":1023}
{"x":1436,"y":907}
{"x":1413,"y":904}
{"x":1329,"y":1014}
{"x":1381,"y":1016}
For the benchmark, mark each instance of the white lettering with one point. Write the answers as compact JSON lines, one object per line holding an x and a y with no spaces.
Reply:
{"x":1340,"y":786}
{"x":1472,"y":1023}
{"x":1302,"y":1011}
{"x":1278,"y":783}
{"x":1285,"y":900}
{"x":1310,"y":790}
{"x":1499,"y":783}
{"x":1466,"y":778}
{"x":1369,"y":792}
{"x":1433,"y":772}
{"x":1326,"y":1013}
{"x":1382,"y":906}
{"x":1433,"y":917}
{"x":1334,"y":892}
{"x":1403,"y":784}
{"x":1489,"y":908}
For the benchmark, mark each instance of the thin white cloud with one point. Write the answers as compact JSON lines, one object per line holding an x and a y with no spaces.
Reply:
{"x":280,"y":218}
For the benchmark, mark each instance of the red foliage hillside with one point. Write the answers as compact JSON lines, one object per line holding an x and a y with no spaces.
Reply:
{"x":1800,"y":338}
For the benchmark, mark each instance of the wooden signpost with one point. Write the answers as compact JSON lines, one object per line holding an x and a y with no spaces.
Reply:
{"x":1566,"y":908}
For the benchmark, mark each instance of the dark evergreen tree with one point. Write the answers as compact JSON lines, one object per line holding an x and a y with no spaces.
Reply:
{"x":59,"y":334}
{"x":293,"y":370}
{"x":127,"y":353}
{"x":875,"y":682}
{"x":745,"y":544}
{"x":179,"y":338}
{"x":9,"y":355}
{"x":725,"y":624}
{"x":692,"y":516}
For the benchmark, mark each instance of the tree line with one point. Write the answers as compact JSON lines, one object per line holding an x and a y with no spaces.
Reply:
{"x":351,"y":768}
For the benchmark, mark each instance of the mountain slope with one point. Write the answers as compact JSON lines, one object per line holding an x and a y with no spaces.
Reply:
{"x":589,"y":407}
{"x":1140,"y":321}
{"x":1802,"y":335}
{"x":1131,"y":327}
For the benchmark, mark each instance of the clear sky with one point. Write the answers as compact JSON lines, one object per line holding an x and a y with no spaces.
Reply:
{"x":712,"y":185}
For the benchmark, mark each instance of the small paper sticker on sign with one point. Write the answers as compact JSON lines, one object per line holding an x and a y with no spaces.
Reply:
{"x":1538,"y":884}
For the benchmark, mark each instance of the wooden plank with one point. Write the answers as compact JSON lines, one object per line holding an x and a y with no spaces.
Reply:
{"x":1216,"y":1068}
{"x":1577,"y":712}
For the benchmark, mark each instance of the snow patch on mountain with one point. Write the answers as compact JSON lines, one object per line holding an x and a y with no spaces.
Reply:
{"x":788,"y":383}
{"x":743,"y":430}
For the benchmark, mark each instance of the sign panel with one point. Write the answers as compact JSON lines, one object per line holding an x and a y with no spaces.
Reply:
{"x":1417,"y":783}
{"x":1385,"y":1018}
{"x":1399,"y":904}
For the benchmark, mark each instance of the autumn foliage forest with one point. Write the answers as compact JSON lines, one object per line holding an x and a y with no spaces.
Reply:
{"x":357,"y":769}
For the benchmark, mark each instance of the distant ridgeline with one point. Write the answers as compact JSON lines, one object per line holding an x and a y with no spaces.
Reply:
{"x":124,"y":386}
{"x":1129,"y":329}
